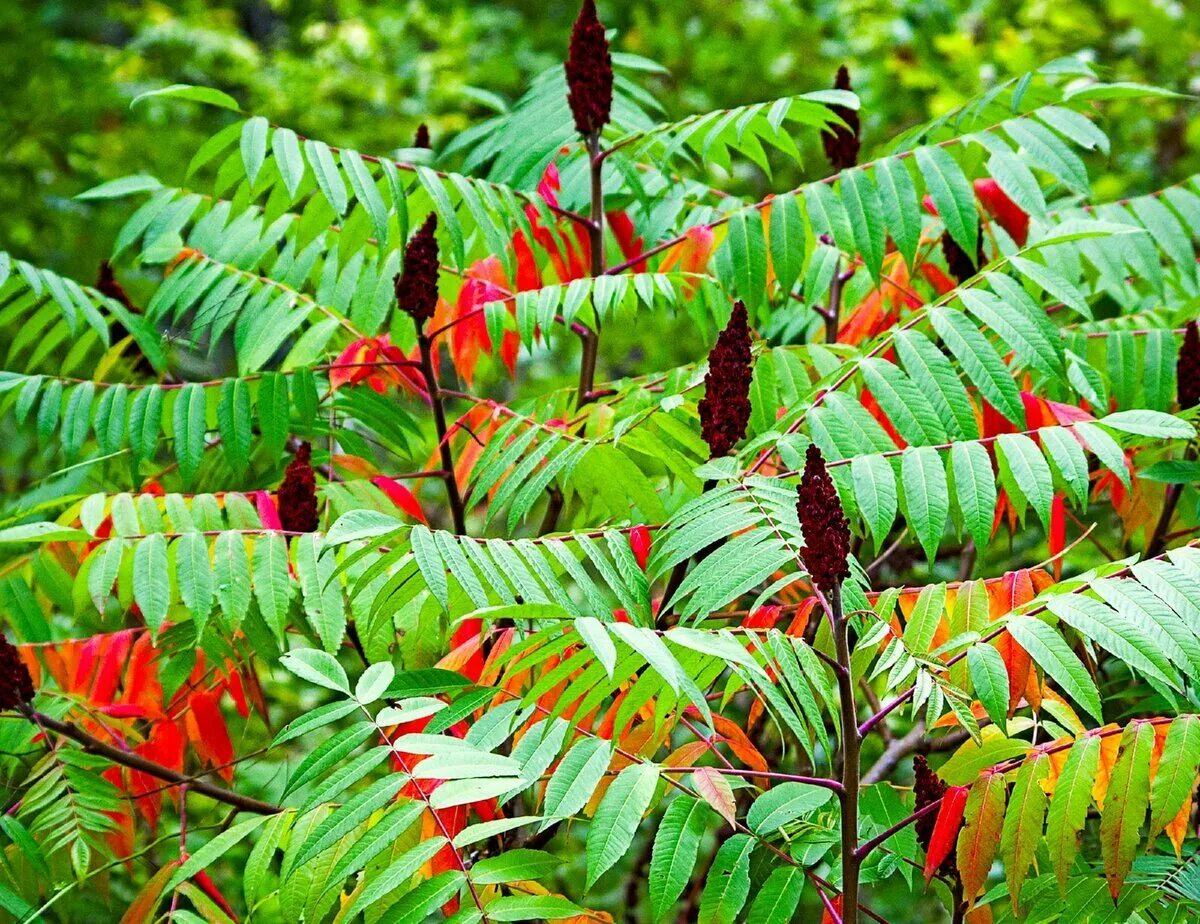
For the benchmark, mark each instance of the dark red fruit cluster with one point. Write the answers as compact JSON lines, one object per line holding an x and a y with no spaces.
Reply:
{"x":422,"y":138}
{"x":1187,"y":370}
{"x":957,"y":261}
{"x":16,"y":686}
{"x":589,"y":72}
{"x":298,"y":494}
{"x":841,"y":142}
{"x":725,"y":408}
{"x":107,"y":284}
{"x":826,"y":551}
{"x":417,"y":284}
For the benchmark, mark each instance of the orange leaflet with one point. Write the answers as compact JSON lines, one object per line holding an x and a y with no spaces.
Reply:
{"x":883,"y":305}
{"x":1014,"y":589}
{"x":690,"y":255}
{"x":1110,"y":746}
{"x":945,"y":829}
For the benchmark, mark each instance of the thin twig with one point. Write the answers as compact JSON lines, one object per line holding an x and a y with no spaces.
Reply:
{"x":137,"y":762}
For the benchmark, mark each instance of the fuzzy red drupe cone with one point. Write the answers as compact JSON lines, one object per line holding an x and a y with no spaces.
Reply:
{"x":107,"y":284}
{"x":16,"y":686}
{"x":422,"y":138}
{"x":298,"y":494}
{"x":928,"y":788}
{"x":957,"y":261}
{"x":826,"y":551}
{"x":589,"y":72}
{"x":417,"y":284}
{"x":725,"y":407}
{"x":1187,"y":370}
{"x":842,"y":143}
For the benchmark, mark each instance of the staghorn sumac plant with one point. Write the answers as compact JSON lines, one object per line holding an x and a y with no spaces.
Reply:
{"x":423,"y":600}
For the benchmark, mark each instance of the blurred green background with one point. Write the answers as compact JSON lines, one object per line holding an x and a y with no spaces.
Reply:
{"x":365,"y":74}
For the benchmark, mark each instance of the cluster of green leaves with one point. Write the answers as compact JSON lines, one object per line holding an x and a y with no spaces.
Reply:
{"x":277,"y":252}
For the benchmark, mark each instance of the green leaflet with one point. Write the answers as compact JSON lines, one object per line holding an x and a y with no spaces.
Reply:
{"x":924,"y":362}
{"x":231,"y":570}
{"x":727,"y":885}
{"x":193,"y":573}
{"x":1022,"y":832}
{"x":618,"y":816}
{"x":323,"y":604}
{"x":1125,"y":804}
{"x":1069,"y":805}
{"x":254,"y":146}
{"x":787,"y":240}
{"x":926,"y":496}
{"x":215,"y":849}
{"x":990,"y":680}
{"x":576,"y":778}
{"x":875,"y":493}
{"x":742,"y":260}
{"x":926,"y":615}
{"x":189,"y":429}
{"x":673,"y":857}
{"x":329,"y":179}
{"x":398,"y":872}
{"x":1026,"y":474}
{"x":865,"y":211}
{"x":783,"y":803}
{"x":779,"y":896}
{"x":980,"y":361}
{"x":349,"y":815}
{"x":952,"y":195}
{"x":272,"y":587}
{"x":1052,"y":655}
{"x":974,"y":489}
{"x":151,"y":580}
{"x":1176,"y":775}
{"x":901,"y":205}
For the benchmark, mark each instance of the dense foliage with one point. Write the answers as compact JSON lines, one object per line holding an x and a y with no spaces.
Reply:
{"x":783,"y":512}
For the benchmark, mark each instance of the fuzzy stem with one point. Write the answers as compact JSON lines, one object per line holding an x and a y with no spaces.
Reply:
{"x":1157,"y":541}
{"x":439,"y":421}
{"x":595,"y":229}
{"x":94,"y":745}
{"x":850,"y":760}
{"x":679,"y":572}
{"x":832,"y":313}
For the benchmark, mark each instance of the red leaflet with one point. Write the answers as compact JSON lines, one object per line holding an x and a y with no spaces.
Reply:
{"x":400,"y":496}
{"x":764,"y":617}
{"x":628,"y":239}
{"x":639,"y":544}
{"x":469,"y":632}
{"x":1009,"y":216}
{"x":1057,"y":540}
{"x":945,"y":830}
{"x":212,"y":738}
{"x":205,"y":882}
